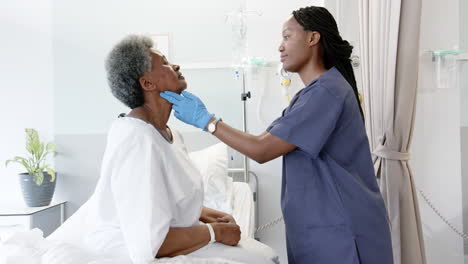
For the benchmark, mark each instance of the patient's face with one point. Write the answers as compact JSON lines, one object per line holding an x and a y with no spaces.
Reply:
{"x":166,"y":76}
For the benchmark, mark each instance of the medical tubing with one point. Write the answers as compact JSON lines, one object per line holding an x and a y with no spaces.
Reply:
{"x":444,"y":219}
{"x":423,"y":195}
{"x":270,"y":224}
{"x":261,"y":93}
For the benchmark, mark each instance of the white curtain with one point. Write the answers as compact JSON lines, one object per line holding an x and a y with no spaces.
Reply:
{"x":389,"y":44}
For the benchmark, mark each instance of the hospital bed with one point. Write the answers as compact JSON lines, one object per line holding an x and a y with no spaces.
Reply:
{"x":29,"y":247}
{"x":245,"y":204}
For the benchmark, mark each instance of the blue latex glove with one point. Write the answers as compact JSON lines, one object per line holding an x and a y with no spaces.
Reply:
{"x":188,"y":108}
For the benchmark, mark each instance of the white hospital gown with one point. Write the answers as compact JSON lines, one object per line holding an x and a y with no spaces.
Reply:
{"x":146,"y":186}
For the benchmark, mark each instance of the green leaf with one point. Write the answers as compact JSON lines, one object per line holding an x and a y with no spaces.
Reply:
{"x":45,"y":167}
{"x":25,"y":164}
{"x":52,"y":173}
{"x":32,"y":140}
{"x":51,"y":147}
{"x":16,"y":158}
{"x":32,"y":134}
{"x":29,"y":147}
{"x":40,"y":151}
{"x":19,"y":160}
{"x":34,"y":162}
{"x":38,"y":177}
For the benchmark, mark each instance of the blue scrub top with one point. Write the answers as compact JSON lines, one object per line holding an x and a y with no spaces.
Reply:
{"x":331,"y":202}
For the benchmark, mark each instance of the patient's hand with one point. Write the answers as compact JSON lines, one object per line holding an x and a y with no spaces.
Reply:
{"x":209,"y":215}
{"x":226,"y":219}
{"x":226,"y":233}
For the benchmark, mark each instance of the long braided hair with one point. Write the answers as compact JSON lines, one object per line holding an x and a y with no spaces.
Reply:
{"x":336,"y":50}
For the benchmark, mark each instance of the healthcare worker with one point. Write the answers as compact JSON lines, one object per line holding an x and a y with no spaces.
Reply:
{"x":331,"y":203}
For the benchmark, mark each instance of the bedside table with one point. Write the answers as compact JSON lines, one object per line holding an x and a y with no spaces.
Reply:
{"x":47,"y":218}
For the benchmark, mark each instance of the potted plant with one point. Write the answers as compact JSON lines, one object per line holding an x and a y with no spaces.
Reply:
{"x":38,"y":182}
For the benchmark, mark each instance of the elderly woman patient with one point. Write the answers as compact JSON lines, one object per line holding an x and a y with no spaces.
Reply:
{"x":148,"y":201}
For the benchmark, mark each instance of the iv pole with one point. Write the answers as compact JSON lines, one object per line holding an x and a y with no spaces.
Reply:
{"x":239,"y":29}
{"x":244,"y":97}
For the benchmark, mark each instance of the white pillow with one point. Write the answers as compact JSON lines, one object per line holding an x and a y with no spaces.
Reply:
{"x":212,"y":162}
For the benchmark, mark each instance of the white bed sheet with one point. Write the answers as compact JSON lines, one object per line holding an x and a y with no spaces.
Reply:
{"x":29,"y":247}
{"x":243,"y":209}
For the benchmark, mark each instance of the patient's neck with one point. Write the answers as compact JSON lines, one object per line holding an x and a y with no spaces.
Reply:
{"x":155,"y":110}
{"x":159,"y":111}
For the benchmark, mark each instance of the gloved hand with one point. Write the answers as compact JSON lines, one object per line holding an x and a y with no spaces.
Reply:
{"x":188,"y":108}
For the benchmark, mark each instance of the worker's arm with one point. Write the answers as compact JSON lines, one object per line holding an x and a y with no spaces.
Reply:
{"x":262,"y":148}
{"x":191,"y":110}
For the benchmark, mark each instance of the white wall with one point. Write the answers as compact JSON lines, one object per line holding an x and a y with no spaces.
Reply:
{"x":463,"y":13}
{"x":85,"y":31}
{"x":464,"y":64}
{"x":26,"y":71}
{"x":436,"y":138}
{"x":463,"y":84}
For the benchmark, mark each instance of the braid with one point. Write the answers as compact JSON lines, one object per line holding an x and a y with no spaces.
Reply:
{"x":336,"y":51}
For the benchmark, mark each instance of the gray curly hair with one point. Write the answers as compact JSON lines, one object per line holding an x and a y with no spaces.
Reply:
{"x":125,"y":64}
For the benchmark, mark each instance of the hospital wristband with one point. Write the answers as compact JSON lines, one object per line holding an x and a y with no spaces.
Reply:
{"x":212,"y":233}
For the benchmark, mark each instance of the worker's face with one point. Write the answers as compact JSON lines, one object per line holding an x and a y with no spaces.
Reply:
{"x":295,"y":48}
{"x":164,"y":76}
